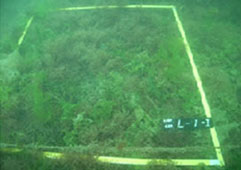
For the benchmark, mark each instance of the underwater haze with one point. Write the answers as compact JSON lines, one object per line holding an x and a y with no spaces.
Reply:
{"x":79,"y":85}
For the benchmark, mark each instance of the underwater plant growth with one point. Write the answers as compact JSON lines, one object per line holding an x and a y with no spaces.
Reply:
{"x":111,"y":86}
{"x":105,"y":79}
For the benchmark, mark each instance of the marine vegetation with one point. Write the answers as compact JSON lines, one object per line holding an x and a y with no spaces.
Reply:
{"x":104,"y":80}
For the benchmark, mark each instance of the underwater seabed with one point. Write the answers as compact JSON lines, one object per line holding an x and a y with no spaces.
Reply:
{"x":87,"y":86}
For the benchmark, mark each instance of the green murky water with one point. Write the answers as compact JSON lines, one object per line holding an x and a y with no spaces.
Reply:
{"x":100,"y":82}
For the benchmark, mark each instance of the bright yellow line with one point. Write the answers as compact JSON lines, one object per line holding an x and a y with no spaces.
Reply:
{"x":114,"y":6}
{"x":200,"y":88}
{"x":53,"y":155}
{"x":11,"y":150}
{"x":217,"y":145}
{"x":194,"y":68}
{"x":131,"y":161}
{"x":177,"y":162}
{"x":134,"y":161}
{"x":25,"y":31}
{"x":150,"y":6}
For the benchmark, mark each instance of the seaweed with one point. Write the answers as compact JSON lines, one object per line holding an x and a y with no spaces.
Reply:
{"x":107,"y":78}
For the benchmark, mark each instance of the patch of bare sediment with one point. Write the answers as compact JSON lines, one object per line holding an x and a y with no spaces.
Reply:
{"x":8,"y":66}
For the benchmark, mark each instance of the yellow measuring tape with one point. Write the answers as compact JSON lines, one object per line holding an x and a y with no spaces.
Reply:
{"x":131,"y":161}
{"x":177,"y":162}
{"x":114,"y":6}
{"x":20,"y":41}
{"x":200,"y":88}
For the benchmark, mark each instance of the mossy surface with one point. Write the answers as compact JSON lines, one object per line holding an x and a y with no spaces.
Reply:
{"x":107,"y":78}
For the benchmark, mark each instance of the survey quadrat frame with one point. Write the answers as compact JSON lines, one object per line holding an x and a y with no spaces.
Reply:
{"x":219,"y":161}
